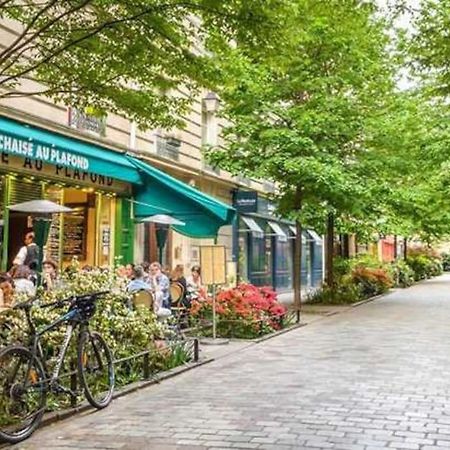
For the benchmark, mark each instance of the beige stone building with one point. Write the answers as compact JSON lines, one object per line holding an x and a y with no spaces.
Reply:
{"x":259,"y":245}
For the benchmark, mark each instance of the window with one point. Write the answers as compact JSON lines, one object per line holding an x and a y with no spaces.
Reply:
{"x":168,"y":147}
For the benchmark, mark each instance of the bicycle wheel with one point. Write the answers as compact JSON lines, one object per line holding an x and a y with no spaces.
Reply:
{"x":96,"y":369}
{"x":23,"y":393}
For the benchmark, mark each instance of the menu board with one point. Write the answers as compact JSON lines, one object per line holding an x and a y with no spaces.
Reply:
{"x":75,"y":232}
{"x":53,"y":241}
{"x":213,"y":264}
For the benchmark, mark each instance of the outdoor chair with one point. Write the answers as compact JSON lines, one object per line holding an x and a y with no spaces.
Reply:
{"x":179,"y":309}
{"x":143,"y":298}
{"x":177,"y":292}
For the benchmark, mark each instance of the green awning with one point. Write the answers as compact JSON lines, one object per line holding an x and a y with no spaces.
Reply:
{"x":36,"y":143}
{"x":163,"y":194}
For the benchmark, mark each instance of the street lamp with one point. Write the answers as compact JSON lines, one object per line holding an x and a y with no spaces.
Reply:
{"x":211,"y":102}
{"x":162,"y":224}
{"x":41,"y":211}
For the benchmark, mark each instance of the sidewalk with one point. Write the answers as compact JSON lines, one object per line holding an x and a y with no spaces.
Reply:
{"x":364,"y":379}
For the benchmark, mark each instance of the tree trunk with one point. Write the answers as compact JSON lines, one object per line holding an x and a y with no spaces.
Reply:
{"x":329,"y":279}
{"x":395,"y":247}
{"x":405,"y":248}
{"x":345,"y":246}
{"x":298,"y":259}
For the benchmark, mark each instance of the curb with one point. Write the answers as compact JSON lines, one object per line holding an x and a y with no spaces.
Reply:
{"x":370,"y":299}
{"x":278,"y":333}
{"x":56,"y":416}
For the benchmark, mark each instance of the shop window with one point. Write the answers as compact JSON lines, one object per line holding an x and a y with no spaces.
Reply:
{"x":260,"y":260}
{"x":283,"y":265}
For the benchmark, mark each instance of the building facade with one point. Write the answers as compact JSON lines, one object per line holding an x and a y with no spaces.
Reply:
{"x":107,"y":222}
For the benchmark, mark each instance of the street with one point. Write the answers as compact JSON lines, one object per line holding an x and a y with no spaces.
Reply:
{"x":374,"y":377}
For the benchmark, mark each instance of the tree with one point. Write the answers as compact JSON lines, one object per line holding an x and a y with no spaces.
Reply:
{"x":298,"y":116}
{"x":131,"y":57}
{"x":428,"y":48}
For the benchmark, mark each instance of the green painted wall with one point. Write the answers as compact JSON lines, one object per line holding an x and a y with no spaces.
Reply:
{"x":124,"y":239}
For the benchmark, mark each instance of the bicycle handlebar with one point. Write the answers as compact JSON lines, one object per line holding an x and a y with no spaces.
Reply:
{"x":29,"y":303}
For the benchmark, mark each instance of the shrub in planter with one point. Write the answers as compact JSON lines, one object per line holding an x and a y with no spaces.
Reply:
{"x":245,"y":311}
{"x":446,"y":261}
{"x":424,"y":265}
{"x":419,"y":265}
{"x":371,"y":281}
{"x":402,"y":274}
{"x":343,"y":294}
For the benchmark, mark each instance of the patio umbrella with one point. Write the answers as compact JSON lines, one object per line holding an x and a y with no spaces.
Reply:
{"x":163,"y":222}
{"x":163,"y":219}
{"x":42,"y":211}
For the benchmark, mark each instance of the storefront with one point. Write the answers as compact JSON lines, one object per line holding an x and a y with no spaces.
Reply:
{"x":110,"y":193}
{"x":265,"y":246}
{"x":93,"y":181}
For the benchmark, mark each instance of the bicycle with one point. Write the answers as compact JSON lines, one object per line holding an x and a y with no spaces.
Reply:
{"x":24,"y":376}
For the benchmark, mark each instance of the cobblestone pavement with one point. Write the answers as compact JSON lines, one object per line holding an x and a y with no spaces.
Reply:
{"x":375,"y":377}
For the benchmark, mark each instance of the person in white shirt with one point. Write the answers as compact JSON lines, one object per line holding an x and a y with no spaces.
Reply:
{"x":29,"y":253}
{"x":22,"y":283}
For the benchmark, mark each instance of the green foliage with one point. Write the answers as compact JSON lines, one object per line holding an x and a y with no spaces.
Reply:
{"x":370,"y":281}
{"x":342,"y":294}
{"x":424,"y":262}
{"x":402,"y":274}
{"x":298,"y":117}
{"x":128,"y":56}
{"x":355,"y":279}
{"x":446,"y":261}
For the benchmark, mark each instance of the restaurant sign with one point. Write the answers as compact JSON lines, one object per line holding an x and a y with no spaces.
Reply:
{"x":59,"y":172}
{"x":246,"y":201}
{"x":52,"y":155}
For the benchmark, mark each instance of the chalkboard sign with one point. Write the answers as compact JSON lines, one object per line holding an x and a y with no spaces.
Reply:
{"x":52,"y":248}
{"x":75,"y":232}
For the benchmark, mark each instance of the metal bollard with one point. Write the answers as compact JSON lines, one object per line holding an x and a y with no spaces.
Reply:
{"x":73,"y":384}
{"x":196,"y":350}
{"x":146,"y":366}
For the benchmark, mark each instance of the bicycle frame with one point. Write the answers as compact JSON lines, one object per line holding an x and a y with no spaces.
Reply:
{"x":72,"y":318}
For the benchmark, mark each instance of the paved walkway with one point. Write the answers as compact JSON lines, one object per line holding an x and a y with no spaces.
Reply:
{"x":377,"y":376}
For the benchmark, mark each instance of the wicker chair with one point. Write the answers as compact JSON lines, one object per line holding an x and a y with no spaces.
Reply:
{"x":143,"y":298}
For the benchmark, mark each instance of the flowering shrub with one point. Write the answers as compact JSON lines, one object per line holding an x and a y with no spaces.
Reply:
{"x":126,"y":331}
{"x":355,"y":279}
{"x":371,"y":281}
{"x":424,"y":262}
{"x":245,"y":311}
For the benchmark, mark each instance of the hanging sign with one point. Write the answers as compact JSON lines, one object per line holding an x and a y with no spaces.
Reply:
{"x":246,"y":201}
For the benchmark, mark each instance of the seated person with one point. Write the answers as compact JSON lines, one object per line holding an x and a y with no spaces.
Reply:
{"x":195,"y":288}
{"x":160,"y":285}
{"x":49,"y":275}
{"x":6,"y":290}
{"x":137,"y":283}
{"x":22,"y":283}
{"x":178,"y":277}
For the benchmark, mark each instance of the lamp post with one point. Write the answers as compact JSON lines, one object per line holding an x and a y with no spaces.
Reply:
{"x":41,"y":211}
{"x":211,"y":102}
